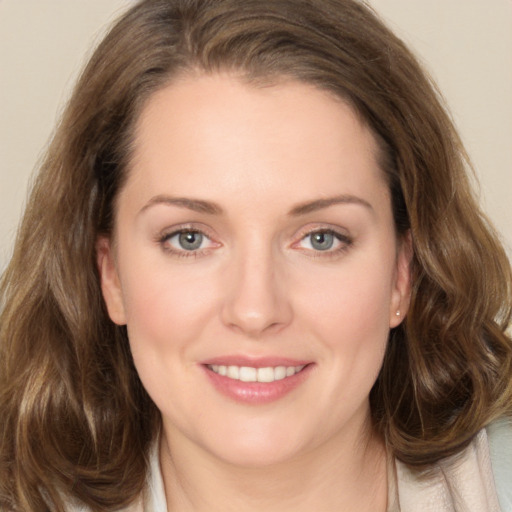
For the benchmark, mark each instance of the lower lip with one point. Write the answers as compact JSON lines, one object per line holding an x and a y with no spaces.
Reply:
{"x":256,"y":392}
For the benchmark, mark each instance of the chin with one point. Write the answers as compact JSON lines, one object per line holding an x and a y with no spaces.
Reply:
{"x":258,"y":456}
{"x":257,"y":447}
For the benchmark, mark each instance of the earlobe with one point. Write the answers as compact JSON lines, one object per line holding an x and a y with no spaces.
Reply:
{"x":402,"y":286}
{"x":110,"y":283}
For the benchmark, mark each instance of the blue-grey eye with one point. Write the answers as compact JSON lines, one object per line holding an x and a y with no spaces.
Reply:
{"x":190,"y":240}
{"x":322,"y":240}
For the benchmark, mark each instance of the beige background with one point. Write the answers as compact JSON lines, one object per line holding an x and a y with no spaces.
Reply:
{"x":466,"y":45}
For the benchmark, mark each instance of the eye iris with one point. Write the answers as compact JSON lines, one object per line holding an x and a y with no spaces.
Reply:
{"x":190,"y":241}
{"x":322,"y":241}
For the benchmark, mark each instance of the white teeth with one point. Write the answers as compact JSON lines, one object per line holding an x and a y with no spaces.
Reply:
{"x":249,"y":374}
{"x":233,"y":372}
{"x":266,"y":375}
{"x":281,"y":372}
{"x":290,"y":371}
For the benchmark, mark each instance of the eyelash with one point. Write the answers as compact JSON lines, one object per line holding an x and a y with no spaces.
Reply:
{"x":163,"y":241}
{"x":344,"y":240}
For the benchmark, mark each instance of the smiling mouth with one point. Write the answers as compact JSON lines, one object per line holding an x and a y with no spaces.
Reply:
{"x":250,"y":374}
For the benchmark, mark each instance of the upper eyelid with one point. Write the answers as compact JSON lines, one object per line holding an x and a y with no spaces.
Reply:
{"x":163,"y":237}
{"x":174,"y":232}
{"x":345,"y":240}
{"x":184,"y":228}
{"x":341,"y":237}
{"x":327,"y":228}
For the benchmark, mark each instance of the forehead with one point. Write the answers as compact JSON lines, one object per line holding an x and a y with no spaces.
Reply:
{"x":210,"y":131}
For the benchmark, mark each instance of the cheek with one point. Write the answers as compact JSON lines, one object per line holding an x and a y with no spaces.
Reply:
{"x":350,"y":314}
{"x":166,"y":306}
{"x":354,"y":300}
{"x":168,"y":312}
{"x":355,"y":330}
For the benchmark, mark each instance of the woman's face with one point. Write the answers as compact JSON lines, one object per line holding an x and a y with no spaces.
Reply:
{"x":256,"y":267}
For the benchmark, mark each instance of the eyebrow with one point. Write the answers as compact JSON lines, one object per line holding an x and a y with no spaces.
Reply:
{"x":196,"y":205}
{"x":320,"y":204}
{"x":208,"y":207}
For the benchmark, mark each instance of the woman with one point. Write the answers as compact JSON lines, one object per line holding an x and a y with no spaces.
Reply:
{"x":250,"y":275}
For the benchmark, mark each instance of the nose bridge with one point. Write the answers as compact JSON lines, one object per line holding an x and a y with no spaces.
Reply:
{"x":255,"y":302}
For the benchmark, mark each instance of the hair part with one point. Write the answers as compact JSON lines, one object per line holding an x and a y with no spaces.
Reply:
{"x":76,"y":420}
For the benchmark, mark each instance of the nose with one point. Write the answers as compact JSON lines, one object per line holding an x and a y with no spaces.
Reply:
{"x":256,"y":302}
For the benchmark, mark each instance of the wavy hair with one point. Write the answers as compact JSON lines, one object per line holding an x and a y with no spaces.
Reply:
{"x":75,"y":419}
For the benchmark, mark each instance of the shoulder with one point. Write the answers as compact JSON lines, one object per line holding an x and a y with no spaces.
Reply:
{"x":499,"y":434}
{"x":478,"y":478}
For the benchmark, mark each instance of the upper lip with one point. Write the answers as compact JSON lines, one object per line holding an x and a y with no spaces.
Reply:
{"x":254,"y":362}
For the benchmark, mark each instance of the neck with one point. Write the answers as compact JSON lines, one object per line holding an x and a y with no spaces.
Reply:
{"x":351,"y":477}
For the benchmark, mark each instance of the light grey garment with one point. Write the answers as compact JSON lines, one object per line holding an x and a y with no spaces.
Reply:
{"x":500,"y":447}
{"x":155,"y":501}
{"x":461,"y":483}
{"x":479,"y":479}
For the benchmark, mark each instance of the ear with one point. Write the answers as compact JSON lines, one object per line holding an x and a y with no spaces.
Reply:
{"x":110,"y":283}
{"x":401,"y":295}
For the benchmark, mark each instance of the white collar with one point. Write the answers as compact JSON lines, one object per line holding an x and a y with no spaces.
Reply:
{"x":154,"y":495}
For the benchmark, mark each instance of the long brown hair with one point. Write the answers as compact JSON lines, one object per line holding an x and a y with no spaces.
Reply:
{"x":75,"y":419}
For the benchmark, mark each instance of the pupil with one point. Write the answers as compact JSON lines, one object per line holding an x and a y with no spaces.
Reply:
{"x":322,"y":241}
{"x":190,"y":241}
